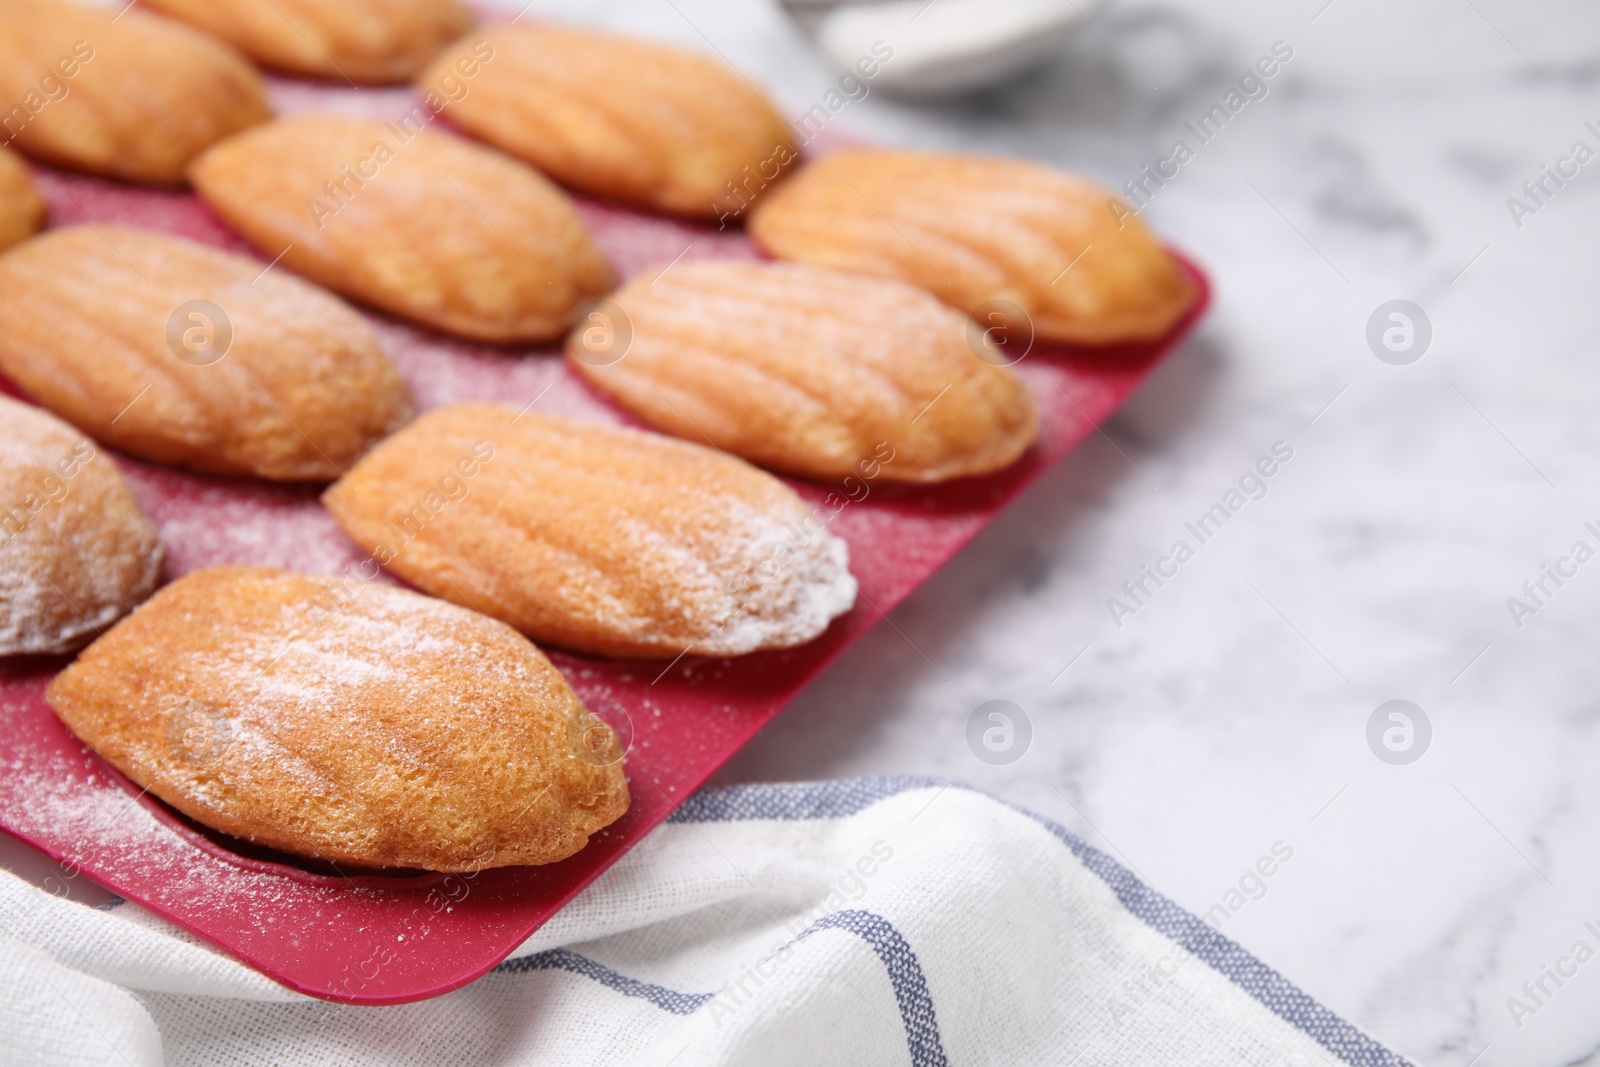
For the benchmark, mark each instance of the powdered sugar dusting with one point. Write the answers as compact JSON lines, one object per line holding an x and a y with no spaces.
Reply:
{"x":211,"y":522}
{"x":75,"y":554}
{"x":78,"y":801}
{"x":796,"y":581}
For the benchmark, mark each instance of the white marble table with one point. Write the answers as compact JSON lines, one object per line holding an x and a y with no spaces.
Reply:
{"x":1230,"y":713}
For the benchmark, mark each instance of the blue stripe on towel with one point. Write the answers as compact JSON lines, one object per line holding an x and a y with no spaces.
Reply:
{"x":560,"y":959}
{"x":833,"y":800}
{"x":905,"y":977}
{"x":805,"y":800}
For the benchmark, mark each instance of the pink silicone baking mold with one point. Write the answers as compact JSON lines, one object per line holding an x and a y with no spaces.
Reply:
{"x":394,"y":938}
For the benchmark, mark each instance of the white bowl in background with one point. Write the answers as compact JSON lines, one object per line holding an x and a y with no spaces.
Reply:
{"x":942,"y":47}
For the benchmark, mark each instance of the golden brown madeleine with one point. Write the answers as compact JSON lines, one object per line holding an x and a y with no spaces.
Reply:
{"x":21,"y":210}
{"x":809,"y":370}
{"x":635,"y":120}
{"x":599,"y":539}
{"x":346,"y":721}
{"x":975,"y":229}
{"x":427,"y":226}
{"x":136,"y":98}
{"x":183,"y":354}
{"x":366,"y":41}
{"x":76,"y":554}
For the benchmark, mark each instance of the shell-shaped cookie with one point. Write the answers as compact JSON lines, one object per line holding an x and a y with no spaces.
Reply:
{"x":603,"y":540}
{"x":21,"y":210}
{"x":976,"y":229}
{"x":122,"y":94}
{"x":346,"y":721}
{"x":430,"y":227}
{"x":187,"y":355}
{"x":76,"y":553}
{"x":633,"y":120}
{"x":363,"y":41}
{"x":809,"y":370}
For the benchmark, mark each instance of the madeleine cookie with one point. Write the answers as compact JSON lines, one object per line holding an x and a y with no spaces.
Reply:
{"x":634,"y":120}
{"x":977,"y":229}
{"x":120,"y":94}
{"x":430,"y":227}
{"x":346,"y":721}
{"x":810,"y":371}
{"x":76,"y":554}
{"x":21,"y":210}
{"x":603,"y":540}
{"x":367,"y":41}
{"x":182,"y":354}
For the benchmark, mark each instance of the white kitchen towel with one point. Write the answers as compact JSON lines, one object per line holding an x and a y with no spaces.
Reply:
{"x":880,"y":921}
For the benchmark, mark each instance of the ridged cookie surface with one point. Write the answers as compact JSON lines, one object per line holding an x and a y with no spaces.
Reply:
{"x":346,"y":721}
{"x":599,"y":539}
{"x":810,"y":371}
{"x":21,"y":210}
{"x":427,"y":226}
{"x":76,"y":553}
{"x":364,"y":41}
{"x":183,"y":354}
{"x":974,"y":229}
{"x":634,"y":120}
{"x":135,"y":98}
